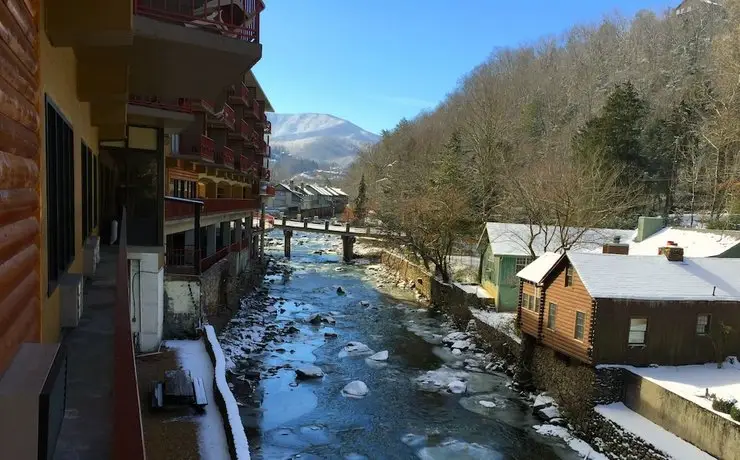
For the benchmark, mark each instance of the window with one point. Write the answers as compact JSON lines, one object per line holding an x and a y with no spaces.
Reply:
{"x":580,"y":325}
{"x":60,"y":192}
{"x":703,"y":322}
{"x":638,"y":329}
{"x":525,"y":301}
{"x":95,"y":191}
{"x":551,"y":312}
{"x":569,"y":276}
{"x":521,"y":262}
{"x":88,"y":190}
{"x":530,"y":302}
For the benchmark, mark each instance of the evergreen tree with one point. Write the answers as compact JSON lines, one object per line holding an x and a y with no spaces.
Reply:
{"x":361,"y":201}
{"x":616,"y":133}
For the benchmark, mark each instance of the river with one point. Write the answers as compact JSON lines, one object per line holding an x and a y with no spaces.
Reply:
{"x":400,"y":418}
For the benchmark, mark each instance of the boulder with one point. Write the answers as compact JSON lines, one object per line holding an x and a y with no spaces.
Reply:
{"x":318,"y":318}
{"x":309,"y":372}
{"x":355,"y":389}
{"x":379,"y":356}
{"x":457,"y":387}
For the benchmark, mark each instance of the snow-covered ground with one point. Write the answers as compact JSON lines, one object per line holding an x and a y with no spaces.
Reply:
{"x":650,"y":432}
{"x":577,"y":444}
{"x":693,"y":382}
{"x":504,"y":322}
{"x":193,"y":356}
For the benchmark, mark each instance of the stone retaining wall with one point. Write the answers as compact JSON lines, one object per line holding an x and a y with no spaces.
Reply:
{"x":182,"y":306}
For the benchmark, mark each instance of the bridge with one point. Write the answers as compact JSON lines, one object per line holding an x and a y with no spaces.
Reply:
{"x":347,"y":232}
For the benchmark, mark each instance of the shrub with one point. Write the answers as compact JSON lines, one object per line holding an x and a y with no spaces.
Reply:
{"x":735,"y":413}
{"x":723,"y":405}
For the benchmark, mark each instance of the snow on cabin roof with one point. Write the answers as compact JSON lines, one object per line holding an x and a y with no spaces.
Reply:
{"x":614,"y":276}
{"x":513,"y":239}
{"x":293,"y":190}
{"x":695,"y":243}
{"x":537,"y":270}
{"x":338,"y":191}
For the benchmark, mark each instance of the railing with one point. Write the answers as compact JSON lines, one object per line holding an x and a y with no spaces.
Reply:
{"x":175,"y":105}
{"x":238,"y":94}
{"x":208,"y":262}
{"x":257,"y":110}
{"x":239,"y":19}
{"x":268,"y":127}
{"x":229,"y":116}
{"x":207,"y":148}
{"x":270,"y":190}
{"x":264,"y":173}
{"x":202,"y":105}
{"x":243,"y":163}
{"x":225,"y":156}
{"x":128,"y":435}
{"x":177,"y":210}
{"x":245,"y":129}
{"x":182,"y":257}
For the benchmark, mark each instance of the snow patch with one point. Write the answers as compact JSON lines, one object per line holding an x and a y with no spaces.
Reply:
{"x":578,"y":445}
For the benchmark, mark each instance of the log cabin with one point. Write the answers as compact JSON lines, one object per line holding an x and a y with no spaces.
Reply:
{"x":611,"y":308}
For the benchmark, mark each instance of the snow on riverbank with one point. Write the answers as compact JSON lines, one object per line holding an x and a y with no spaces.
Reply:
{"x":503,"y":322}
{"x":650,"y":432}
{"x":193,"y":356}
{"x":241,"y":446}
{"x":693,"y":382}
{"x":578,"y":445}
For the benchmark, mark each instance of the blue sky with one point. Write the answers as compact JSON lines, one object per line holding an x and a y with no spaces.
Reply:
{"x":374,"y":62}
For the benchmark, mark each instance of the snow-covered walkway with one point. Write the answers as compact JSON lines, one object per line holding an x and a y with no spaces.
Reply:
{"x":193,"y":356}
{"x":652,"y":433}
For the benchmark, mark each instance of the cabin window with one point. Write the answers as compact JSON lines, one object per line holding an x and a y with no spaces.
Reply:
{"x":580,"y":325}
{"x":551,"y":312}
{"x":638,"y":329}
{"x":525,"y":301}
{"x":569,"y":276}
{"x":703,"y":322}
{"x":60,"y":194}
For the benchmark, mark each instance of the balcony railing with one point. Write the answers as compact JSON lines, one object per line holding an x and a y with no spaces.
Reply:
{"x":226,"y":118}
{"x":225,"y":156}
{"x":239,"y":19}
{"x":206,"y":148}
{"x":184,"y":259}
{"x":128,"y":439}
{"x":243,"y":165}
{"x":203,"y":105}
{"x":268,"y":127}
{"x":175,"y":105}
{"x":238,"y":94}
{"x":264,"y":173}
{"x":179,"y":210}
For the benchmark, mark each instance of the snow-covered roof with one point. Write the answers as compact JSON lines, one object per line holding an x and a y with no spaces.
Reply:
{"x":294,"y":190}
{"x":513,"y":239}
{"x":537,"y":270}
{"x":338,"y":191}
{"x":695,"y":243}
{"x":614,"y":276}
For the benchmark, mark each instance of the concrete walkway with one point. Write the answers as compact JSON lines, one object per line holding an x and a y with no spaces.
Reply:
{"x":87,"y":426}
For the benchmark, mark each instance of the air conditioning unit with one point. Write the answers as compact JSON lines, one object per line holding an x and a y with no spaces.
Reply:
{"x":33,"y":398}
{"x":71,"y":289}
{"x":91,"y":255}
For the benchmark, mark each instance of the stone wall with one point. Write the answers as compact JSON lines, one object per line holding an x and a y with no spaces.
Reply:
{"x":703,"y":428}
{"x":610,"y":438}
{"x":182,"y":306}
{"x":213,"y":287}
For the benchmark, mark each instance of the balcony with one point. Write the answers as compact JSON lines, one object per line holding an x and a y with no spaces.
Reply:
{"x":177,"y":44}
{"x":243,"y":163}
{"x":203,"y":105}
{"x":201,"y":147}
{"x":174,"y":105}
{"x":225,"y":119}
{"x":265,"y":174}
{"x":268,"y":127}
{"x":238,"y":94}
{"x":173,"y":114}
{"x":243,"y":131}
{"x":225,"y":157}
{"x":189,"y":260}
{"x":174,"y":210}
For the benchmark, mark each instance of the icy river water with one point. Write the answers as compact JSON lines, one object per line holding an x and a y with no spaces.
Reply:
{"x":411,"y":411}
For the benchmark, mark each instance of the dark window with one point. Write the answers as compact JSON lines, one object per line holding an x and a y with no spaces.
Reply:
{"x":551,"y":313}
{"x":60,"y":202}
{"x":703,"y":323}
{"x":638,"y":330}
{"x":88,"y":191}
{"x":95,"y":191}
{"x":580,"y":325}
{"x":569,"y":276}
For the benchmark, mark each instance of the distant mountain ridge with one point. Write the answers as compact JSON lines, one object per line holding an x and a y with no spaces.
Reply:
{"x":325,"y":139}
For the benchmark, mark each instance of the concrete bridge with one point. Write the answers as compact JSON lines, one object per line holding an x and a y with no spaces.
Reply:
{"x":348,"y":233}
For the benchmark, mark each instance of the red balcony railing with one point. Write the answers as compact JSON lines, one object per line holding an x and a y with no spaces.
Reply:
{"x":210,"y":261}
{"x":246,"y":130}
{"x":243,"y":163}
{"x":268,"y":127}
{"x":270,"y":190}
{"x":175,"y":105}
{"x":179,"y":210}
{"x":264,"y":173}
{"x":238,"y":94}
{"x":239,"y":19}
{"x":203,"y":105}
{"x":206,"y":148}
{"x":225,"y":156}
{"x":128,"y":436}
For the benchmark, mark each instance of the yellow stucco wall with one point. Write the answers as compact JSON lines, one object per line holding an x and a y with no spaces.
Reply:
{"x":59,"y":82}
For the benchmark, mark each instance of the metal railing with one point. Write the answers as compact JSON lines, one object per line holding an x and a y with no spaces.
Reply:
{"x":225,"y":156}
{"x":243,"y":163}
{"x":238,"y":94}
{"x":207,"y":147}
{"x":128,"y":434}
{"x":180,"y":209}
{"x":175,"y":105}
{"x":239,"y":19}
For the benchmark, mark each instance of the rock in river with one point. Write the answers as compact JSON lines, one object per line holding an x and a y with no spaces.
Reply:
{"x":355,"y":389}
{"x":355,"y":349}
{"x":318,"y":318}
{"x":309,"y":372}
{"x":379,"y":356}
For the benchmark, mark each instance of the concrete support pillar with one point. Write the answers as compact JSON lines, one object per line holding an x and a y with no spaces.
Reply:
{"x":238,"y":233}
{"x":288,"y":235}
{"x":210,"y":240}
{"x":348,"y":247}
{"x":226,"y":233}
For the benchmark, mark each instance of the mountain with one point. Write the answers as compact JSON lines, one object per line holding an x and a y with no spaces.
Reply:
{"x":325,"y":139}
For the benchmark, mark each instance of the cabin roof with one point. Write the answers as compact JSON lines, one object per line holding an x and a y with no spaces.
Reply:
{"x":614,"y":276}
{"x":695,"y":242}
{"x":537,"y":271}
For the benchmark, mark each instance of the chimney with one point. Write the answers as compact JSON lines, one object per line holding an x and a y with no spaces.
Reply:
{"x":673,"y":253}
{"x":615,"y":247}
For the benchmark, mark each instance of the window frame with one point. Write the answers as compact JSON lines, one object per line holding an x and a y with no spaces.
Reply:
{"x":552,"y":311}
{"x":519,"y":260}
{"x":707,"y":326}
{"x":630,"y":331}
{"x":568,"y":275}
{"x":583,"y":326}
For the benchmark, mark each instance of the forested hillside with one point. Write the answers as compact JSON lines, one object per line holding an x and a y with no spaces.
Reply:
{"x":592,"y":128}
